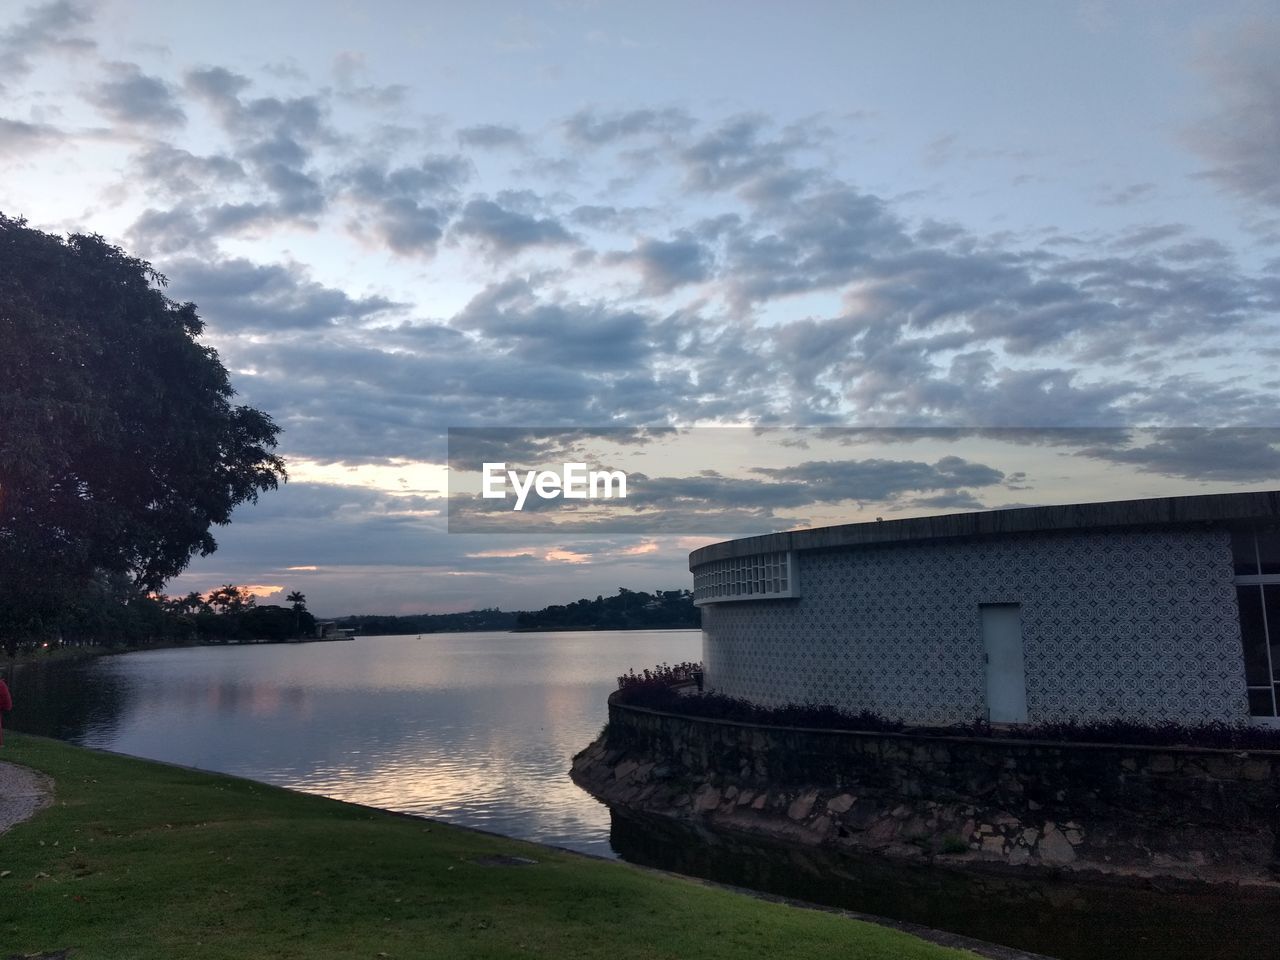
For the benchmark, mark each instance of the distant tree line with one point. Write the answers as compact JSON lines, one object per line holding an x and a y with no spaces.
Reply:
{"x":230,"y":615}
{"x":382,"y":626}
{"x":625,"y":610}
{"x":110,"y":611}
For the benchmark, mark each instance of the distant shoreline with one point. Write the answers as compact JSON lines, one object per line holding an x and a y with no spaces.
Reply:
{"x":90,"y":651}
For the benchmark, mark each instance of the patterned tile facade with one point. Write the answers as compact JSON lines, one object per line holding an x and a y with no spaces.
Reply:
{"x":1141,"y":625}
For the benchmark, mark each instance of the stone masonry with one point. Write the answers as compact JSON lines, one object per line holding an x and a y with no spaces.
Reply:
{"x":1185,"y":813}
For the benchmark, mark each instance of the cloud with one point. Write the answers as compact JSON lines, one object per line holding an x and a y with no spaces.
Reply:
{"x":1240,"y":138}
{"x":182,"y":173}
{"x":49,"y":27}
{"x":18,"y":138}
{"x":880,"y":480}
{"x":161,"y":232}
{"x":736,"y":154}
{"x":130,"y":96}
{"x":491,"y":136}
{"x":590,"y":336}
{"x":1127,"y":195}
{"x":238,"y":294}
{"x":348,"y":69}
{"x":589,"y":127}
{"x":504,"y":231}
{"x":1149,"y":235}
{"x":667,"y":264}
{"x":1238,"y":455}
{"x":605,"y":217}
{"x":218,"y":85}
{"x":561,"y":555}
{"x":275,"y":138}
{"x":959,"y":500}
{"x":409,"y":206}
{"x":354,"y":391}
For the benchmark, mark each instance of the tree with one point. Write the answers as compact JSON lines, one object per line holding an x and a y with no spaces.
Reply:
{"x":192,"y":603}
{"x":120,"y":447}
{"x":299,"y":601}
{"x":230,"y":599}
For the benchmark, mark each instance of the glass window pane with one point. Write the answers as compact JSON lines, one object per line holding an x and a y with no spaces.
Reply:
{"x":1260,"y":703}
{"x":1253,"y":636}
{"x":1271,"y":603}
{"x":1269,"y":550}
{"x":1242,"y":553}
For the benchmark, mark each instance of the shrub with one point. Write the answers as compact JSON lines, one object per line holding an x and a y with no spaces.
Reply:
{"x":656,"y":690}
{"x":663,"y":676}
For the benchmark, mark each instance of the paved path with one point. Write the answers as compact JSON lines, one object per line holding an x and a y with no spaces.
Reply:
{"x":22,"y":793}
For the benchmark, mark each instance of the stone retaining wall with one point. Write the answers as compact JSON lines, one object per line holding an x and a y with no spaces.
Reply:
{"x":1150,"y":811}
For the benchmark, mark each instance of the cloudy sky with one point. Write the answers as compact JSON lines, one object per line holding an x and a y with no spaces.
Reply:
{"x":414,"y":216}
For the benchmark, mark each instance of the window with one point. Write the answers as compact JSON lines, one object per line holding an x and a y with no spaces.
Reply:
{"x":761,"y":576}
{"x":1256,"y":557}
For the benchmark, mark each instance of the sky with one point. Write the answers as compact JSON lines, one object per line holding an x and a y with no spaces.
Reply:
{"x":413,"y":217}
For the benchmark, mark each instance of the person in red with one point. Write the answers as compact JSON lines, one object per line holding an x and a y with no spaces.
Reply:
{"x":6,"y":704}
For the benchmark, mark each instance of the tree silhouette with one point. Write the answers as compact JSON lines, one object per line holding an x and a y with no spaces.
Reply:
{"x":299,"y":601}
{"x":120,"y":447}
{"x":230,"y":599}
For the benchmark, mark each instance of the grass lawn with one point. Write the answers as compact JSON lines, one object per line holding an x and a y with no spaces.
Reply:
{"x":139,"y":860}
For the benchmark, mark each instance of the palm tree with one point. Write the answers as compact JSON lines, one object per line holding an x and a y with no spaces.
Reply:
{"x":299,"y":601}
{"x":229,"y":598}
{"x":192,"y":603}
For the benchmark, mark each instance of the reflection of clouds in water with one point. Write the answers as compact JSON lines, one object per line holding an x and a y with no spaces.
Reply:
{"x":529,"y":795}
{"x":477,"y":729}
{"x":261,"y":698}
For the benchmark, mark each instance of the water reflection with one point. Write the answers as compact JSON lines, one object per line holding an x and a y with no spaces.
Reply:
{"x":1070,"y":921}
{"x":474,"y":728}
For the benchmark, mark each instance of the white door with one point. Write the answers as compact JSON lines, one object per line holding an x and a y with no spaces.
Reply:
{"x":1006,"y":681}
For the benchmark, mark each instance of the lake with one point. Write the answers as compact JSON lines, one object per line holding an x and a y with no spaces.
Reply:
{"x":474,"y":728}
{"x":478,"y":729}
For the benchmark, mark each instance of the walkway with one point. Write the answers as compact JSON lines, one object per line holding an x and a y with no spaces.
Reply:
{"x":22,"y":793}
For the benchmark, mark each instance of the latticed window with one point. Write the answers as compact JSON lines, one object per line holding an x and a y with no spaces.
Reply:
{"x":760,"y":576}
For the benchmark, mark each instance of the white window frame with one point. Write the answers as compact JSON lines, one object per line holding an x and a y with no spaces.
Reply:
{"x":768,"y":575}
{"x":1260,"y":580}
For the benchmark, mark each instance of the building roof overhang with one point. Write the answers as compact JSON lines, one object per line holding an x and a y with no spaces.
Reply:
{"x":1218,"y":509}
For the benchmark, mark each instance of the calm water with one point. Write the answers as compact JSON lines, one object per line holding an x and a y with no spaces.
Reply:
{"x":473,"y":728}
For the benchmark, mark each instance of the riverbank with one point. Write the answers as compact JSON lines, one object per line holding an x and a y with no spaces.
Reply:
{"x":55,"y":654}
{"x":145,"y":860}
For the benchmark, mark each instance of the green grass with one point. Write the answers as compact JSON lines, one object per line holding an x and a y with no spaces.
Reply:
{"x":140,"y":860}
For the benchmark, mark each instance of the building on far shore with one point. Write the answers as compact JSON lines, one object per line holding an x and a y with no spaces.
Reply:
{"x":1148,"y":610}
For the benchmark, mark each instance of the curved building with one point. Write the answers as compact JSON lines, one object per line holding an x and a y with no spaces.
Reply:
{"x":1149,"y":610}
